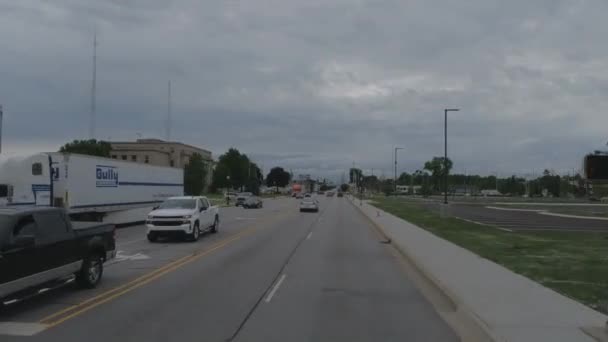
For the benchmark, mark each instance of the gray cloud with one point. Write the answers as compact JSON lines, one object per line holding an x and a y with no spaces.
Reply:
{"x":316,"y":85}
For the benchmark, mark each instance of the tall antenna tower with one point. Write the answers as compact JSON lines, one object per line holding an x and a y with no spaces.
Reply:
{"x":93,"y":89}
{"x":168,"y":127}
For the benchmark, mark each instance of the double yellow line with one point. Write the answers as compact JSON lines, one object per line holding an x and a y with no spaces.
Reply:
{"x":80,"y":308}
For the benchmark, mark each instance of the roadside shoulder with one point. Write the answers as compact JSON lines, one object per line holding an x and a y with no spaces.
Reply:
{"x":510,"y":306}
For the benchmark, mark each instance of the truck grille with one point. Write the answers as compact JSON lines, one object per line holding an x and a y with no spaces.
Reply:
{"x":166,"y":217}
{"x":166,"y":223}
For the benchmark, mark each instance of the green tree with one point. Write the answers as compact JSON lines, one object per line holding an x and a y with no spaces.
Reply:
{"x":234,"y":170}
{"x":404,"y":179}
{"x":195,"y":174}
{"x":437,"y":168}
{"x":370,"y":183}
{"x":278,"y":177}
{"x":89,"y":147}
{"x":387,"y":186}
{"x":419,"y":177}
{"x":254,"y":178}
{"x":356,"y":176}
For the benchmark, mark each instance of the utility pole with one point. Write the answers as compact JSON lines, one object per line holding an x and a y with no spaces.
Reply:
{"x":1,"y":116}
{"x":465,"y":181}
{"x":168,"y":127}
{"x":395,"y":179}
{"x":445,"y":158}
{"x":93,"y":90}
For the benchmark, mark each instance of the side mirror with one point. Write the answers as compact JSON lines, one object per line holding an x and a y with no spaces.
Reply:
{"x":202,"y":209}
{"x":155,"y":208}
{"x":24,"y":241}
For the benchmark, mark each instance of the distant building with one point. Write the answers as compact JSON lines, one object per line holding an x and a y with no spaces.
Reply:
{"x":490,"y":192}
{"x":408,"y":189}
{"x":161,"y":153}
{"x":462,"y":190}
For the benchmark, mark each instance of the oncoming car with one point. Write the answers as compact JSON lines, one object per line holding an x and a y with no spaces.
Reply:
{"x":253,"y":202}
{"x":242,"y":197}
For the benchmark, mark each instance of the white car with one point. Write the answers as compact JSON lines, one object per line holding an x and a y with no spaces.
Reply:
{"x":309,"y":204}
{"x":187,"y":216}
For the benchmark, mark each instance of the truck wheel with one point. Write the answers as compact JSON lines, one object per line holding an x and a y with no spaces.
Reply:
{"x":216,"y":225}
{"x":196,"y":233}
{"x":91,"y":271}
{"x":152,"y":237}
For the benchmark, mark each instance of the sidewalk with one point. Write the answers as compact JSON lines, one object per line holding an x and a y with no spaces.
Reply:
{"x":512,"y":307}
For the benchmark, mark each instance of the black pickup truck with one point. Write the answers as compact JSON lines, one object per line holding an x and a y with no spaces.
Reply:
{"x":41,"y":245}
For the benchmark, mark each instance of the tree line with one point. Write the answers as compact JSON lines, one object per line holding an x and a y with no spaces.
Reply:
{"x":430,"y":180}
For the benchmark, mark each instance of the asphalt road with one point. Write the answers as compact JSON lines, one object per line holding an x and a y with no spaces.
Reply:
{"x":273,"y":274}
{"x":522,"y":220}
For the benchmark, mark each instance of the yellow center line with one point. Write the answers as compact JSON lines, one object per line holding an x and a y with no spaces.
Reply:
{"x":146,"y":281}
{"x":77,"y":309}
{"x":92,"y":299}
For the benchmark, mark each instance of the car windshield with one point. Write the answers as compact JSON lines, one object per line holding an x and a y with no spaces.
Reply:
{"x":178,"y":204}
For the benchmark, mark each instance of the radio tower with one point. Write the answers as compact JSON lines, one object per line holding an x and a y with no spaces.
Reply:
{"x":93,"y":89}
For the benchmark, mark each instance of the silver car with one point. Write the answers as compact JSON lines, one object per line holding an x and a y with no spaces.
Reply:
{"x":309,"y":204}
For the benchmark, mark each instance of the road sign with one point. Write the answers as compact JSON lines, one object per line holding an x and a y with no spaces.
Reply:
{"x":596,"y":166}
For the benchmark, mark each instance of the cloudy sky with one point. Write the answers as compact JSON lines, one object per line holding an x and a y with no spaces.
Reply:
{"x":316,"y":85}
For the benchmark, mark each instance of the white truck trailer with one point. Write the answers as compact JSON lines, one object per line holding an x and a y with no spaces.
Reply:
{"x":89,"y":188}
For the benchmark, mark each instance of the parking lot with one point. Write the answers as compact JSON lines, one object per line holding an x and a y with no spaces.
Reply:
{"x":517,"y":219}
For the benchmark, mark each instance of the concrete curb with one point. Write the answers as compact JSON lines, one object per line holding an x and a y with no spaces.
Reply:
{"x":460,"y":307}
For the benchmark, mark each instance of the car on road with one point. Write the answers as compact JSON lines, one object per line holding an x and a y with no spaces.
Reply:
{"x":43,"y":247}
{"x":299,"y":195}
{"x":330,"y":194}
{"x":187,"y":216}
{"x":307,"y":195}
{"x":340,"y":194}
{"x":253,"y":202}
{"x":242,"y":197}
{"x":309,"y":204}
{"x":230,"y":196}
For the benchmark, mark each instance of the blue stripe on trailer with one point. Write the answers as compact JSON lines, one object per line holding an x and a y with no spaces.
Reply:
{"x":112,"y":204}
{"x":149,"y":184}
{"x":21,"y":203}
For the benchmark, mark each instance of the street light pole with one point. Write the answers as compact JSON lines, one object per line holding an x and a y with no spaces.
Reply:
{"x":445,"y":159}
{"x":1,"y":114}
{"x":395,"y":179}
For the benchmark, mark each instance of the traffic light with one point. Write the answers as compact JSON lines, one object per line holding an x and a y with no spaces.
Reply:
{"x":596,"y":166}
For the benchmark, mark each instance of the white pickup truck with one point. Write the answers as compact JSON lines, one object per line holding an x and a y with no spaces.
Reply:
{"x":187,"y":216}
